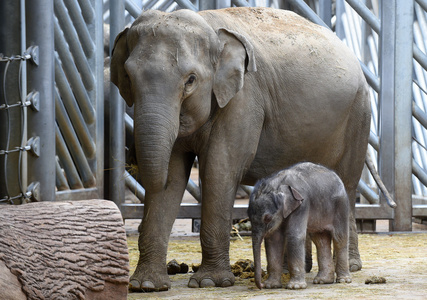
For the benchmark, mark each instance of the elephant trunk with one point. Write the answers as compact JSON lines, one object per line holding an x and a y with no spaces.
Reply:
{"x":156,"y":129}
{"x":256,"y":247}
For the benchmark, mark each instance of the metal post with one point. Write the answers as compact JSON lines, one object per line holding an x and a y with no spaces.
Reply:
{"x":41,"y":123}
{"x":403,"y":115}
{"x":10,"y":119}
{"x":386,"y":95}
{"x":116,"y":112}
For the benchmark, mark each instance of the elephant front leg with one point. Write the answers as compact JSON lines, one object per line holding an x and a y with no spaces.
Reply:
{"x":296,"y":254}
{"x":215,"y":229}
{"x":274,"y":247}
{"x":160,"y":211}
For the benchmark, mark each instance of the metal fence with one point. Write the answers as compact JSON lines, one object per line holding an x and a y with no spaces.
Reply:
{"x":64,"y":83}
{"x":52,"y":116}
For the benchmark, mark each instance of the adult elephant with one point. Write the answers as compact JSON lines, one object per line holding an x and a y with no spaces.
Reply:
{"x":249,"y":91}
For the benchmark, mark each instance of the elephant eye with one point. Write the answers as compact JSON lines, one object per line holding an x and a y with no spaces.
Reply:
{"x":191,"y":79}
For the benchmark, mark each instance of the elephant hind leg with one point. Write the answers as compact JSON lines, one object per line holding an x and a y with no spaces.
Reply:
{"x":324,"y":258}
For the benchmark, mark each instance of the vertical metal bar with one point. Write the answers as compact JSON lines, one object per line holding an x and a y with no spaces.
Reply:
{"x":325,"y":11}
{"x":207,"y":4}
{"x":9,"y":134}
{"x":340,"y":9}
{"x":97,"y":65}
{"x":41,"y":78}
{"x":117,"y":124}
{"x":23,"y":159}
{"x":386,"y":96}
{"x":403,"y":115}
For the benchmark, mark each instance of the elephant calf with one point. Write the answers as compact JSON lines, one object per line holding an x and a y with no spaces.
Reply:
{"x":283,"y":208}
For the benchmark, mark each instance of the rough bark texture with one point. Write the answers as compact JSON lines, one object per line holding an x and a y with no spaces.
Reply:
{"x":64,"y":250}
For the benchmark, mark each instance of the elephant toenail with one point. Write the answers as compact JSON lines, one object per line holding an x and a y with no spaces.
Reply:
{"x":134,"y":285}
{"x":226,"y":283}
{"x":193,"y":283}
{"x":147,"y":286}
{"x":207,"y":282}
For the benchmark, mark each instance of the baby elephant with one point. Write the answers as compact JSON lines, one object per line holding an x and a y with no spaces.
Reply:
{"x":283,"y":208}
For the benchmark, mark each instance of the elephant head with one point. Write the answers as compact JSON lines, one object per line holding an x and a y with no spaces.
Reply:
{"x":269,"y":205}
{"x":176,"y":69}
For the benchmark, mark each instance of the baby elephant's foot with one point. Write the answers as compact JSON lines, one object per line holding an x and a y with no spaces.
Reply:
{"x":324,"y":279}
{"x":296,"y":285}
{"x":344,"y":279}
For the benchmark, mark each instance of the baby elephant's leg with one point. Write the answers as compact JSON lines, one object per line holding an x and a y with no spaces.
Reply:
{"x":324,"y":258}
{"x":274,"y":245}
{"x":342,"y":267}
{"x":296,"y":264}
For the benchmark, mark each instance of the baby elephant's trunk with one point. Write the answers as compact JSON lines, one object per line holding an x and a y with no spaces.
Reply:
{"x":256,"y":247}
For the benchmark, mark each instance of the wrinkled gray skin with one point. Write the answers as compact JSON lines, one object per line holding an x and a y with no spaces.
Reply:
{"x":250,"y":91}
{"x":306,"y":198}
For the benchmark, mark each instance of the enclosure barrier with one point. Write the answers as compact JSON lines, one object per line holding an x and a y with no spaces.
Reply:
{"x":52,"y":70}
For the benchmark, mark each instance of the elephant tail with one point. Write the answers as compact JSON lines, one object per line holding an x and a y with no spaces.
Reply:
{"x":377,"y":178}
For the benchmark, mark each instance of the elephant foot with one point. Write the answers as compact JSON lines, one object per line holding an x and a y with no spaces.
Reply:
{"x":344,"y":278}
{"x":204,"y":279}
{"x":355,"y":264}
{"x":296,"y":285}
{"x":148,"y":281}
{"x":324,"y":278}
{"x":272,"y":283}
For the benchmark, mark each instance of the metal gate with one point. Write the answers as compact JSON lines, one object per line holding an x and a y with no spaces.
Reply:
{"x":60,"y":45}
{"x":52,"y":105}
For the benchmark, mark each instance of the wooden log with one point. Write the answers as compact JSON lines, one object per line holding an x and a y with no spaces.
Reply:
{"x":63,"y":250}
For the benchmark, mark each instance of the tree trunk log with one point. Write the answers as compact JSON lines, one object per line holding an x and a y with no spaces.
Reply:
{"x":63,"y":250}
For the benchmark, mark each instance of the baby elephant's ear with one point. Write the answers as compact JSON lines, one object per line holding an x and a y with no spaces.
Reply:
{"x":291,"y":201}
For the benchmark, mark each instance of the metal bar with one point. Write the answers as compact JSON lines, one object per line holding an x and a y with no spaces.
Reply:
{"x":132,"y":8}
{"x":386,"y":95}
{"x":10,"y":46}
{"x":186,"y":4}
{"x":207,"y":4}
{"x":90,"y":193}
{"x":116,"y":113}
{"x":41,"y":78}
{"x":72,"y":141}
{"x":366,"y":14}
{"x":422,"y":3}
{"x":74,"y":45}
{"x":403,"y":115}
{"x":67,"y":162}
{"x":307,"y":12}
{"x":240,"y":3}
{"x":73,"y":76}
{"x":366,"y":192}
{"x":374,"y":141}
{"x":419,"y":114}
{"x":87,"y":10}
{"x":61,"y":181}
{"x":325,"y":12}
{"x":73,"y":110}
{"x":194,"y":190}
{"x":97,"y":64}
{"x":419,"y":172}
{"x":186,"y":211}
{"x":79,"y":24}
{"x":134,"y":186}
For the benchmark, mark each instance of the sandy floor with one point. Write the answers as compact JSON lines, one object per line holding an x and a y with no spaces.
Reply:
{"x":400,"y":258}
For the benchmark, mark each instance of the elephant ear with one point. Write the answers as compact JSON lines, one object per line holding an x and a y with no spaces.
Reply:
{"x":119,"y":75}
{"x":235,"y":51}
{"x":290,"y":201}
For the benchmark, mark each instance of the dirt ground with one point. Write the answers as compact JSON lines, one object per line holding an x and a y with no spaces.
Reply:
{"x":400,"y":258}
